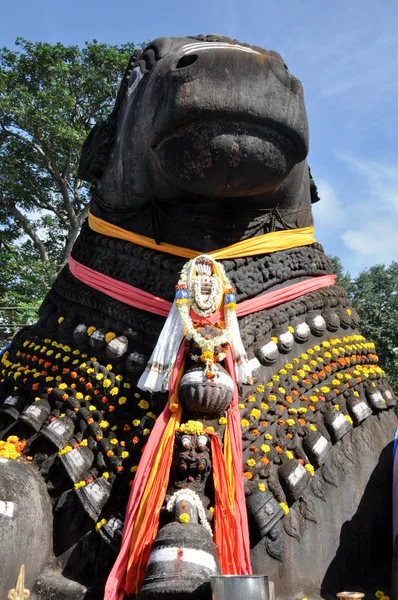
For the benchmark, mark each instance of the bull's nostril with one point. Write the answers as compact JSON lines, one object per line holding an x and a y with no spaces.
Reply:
{"x":186,"y":60}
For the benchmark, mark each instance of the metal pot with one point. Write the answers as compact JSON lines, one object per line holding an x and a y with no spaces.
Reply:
{"x":236,"y":587}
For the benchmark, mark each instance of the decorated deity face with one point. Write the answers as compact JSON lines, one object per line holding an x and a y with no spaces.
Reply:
{"x":206,"y":288}
{"x":191,"y":462}
{"x":204,"y":269}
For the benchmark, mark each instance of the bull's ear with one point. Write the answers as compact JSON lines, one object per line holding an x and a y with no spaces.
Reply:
{"x":313,"y":189}
{"x":97,"y":147}
{"x":96,"y":150}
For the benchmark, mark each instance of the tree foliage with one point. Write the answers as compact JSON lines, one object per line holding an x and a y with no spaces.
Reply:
{"x":342,"y":277}
{"x":375,"y":296}
{"x":50,"y":97}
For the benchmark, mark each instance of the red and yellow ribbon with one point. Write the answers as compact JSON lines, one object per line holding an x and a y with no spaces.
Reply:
{"x":147,"y":496}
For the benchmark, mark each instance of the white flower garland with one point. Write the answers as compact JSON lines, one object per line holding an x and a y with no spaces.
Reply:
{"x":179,"y":324}
{"x":205,"y":307}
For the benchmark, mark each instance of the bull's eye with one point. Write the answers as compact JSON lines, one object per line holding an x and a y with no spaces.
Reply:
{"x":202,"y":464}
{"x":186,"y":442}
{"x":186,"y":60}
{"x":279,"y":68}
{"x":202,"y":442}
{"x":134,"y":79}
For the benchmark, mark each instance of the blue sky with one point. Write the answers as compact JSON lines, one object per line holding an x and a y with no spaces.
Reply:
{"x":346,"y":54}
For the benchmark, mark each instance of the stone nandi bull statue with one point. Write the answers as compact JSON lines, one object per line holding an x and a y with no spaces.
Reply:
{"x":205,"y":148}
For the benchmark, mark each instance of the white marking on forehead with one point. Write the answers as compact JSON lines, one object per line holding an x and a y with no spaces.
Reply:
{"x":199,"y":46}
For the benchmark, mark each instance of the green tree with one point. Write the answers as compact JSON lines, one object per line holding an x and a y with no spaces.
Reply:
{"x":343,"y":277}
{"x":375,"y":296}
{"x":50,"y":97}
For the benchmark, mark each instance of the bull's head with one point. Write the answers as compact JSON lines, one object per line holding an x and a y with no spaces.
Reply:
{"x":207,"y":120}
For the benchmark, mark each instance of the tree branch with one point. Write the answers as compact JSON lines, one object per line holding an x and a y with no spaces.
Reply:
{"x":52,"y":168}
{"x":28,"y":229}
{"x":83,"y":214}
{"x":73,"y":233}
{"x":6,"y":132}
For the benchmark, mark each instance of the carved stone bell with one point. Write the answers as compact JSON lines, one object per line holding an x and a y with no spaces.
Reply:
{"x":36,"y":414}
{"x":77,"y":463}
{"x":294,"y":479}
{"x":94,"y":496}
{"x":264,"y":511}
{"x":182,"y":560}
{"x":358,"y":409}
{"x":336,"y":423}
{"x":375,"y":399}
{"x":316,"y":447}
{"x":389,"y":396}
{"x":59,"y":432}
{"x":12,"y":406}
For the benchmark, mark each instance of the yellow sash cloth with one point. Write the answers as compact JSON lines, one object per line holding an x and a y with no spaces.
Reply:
{"x":262,"y":244}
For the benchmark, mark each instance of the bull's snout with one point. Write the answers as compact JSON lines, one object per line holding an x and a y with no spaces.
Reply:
{"x":232,"y":120}
{"x":211,"y":118}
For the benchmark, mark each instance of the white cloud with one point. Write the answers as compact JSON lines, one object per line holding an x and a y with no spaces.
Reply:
{"x":374,"y":242}
{"x":364,"y":221}
{"x":328,"y":213}
{"x":374,"y":236}
{"x":380,"y":182}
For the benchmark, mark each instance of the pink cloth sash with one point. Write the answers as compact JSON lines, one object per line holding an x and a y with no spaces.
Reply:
{"x":132,"y":296}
